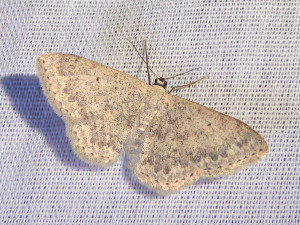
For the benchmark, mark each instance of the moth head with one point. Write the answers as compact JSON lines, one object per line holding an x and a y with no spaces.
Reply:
{"x":161,"y":82}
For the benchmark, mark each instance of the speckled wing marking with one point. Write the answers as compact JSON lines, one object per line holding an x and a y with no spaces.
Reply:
{"x":98,"y":104}
{"x":170,"y":142}
{"x":187,"y":141}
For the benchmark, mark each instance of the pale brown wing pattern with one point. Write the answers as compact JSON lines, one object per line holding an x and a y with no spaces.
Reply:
{"x":98,"y":104}
{"x":187,"y":141}
{"x":170,"y":142}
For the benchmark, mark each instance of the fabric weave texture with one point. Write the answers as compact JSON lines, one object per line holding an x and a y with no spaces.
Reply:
{"x":250,"y":49}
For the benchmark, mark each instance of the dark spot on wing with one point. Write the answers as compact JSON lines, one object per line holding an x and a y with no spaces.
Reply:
{"x":223,"y":151}
{"x":167,"y":170}
{"x":92,"y":140}
{"x":243,"y":142}
{"x":195,"y":158}
{"x":213,"y":156}
{"x":157,"y":168}
{"x":149,"y":160}
{"x":183,"y":163}
{"x":100,"y":144}
{"x":72,"y":98}
{"x":67,"y":90}
{"x":239,"y":144}
{"x":144,"y":162}
{"x":81,"y":102}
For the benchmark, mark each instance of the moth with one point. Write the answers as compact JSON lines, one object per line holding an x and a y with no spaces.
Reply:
{"x":170,"y":142}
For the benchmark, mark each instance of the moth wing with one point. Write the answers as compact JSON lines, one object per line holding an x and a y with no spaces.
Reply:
{"x":97,"y":103}
{"x":187,"y":141}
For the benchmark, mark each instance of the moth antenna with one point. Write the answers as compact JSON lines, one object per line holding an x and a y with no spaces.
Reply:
{"x":187,"y":85}
{"x":142,"y":57}
{"x":182,"y":73}
{"x":149,"y":78}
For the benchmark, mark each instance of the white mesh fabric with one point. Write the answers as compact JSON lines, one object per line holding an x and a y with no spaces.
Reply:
{"x":249,"y":48}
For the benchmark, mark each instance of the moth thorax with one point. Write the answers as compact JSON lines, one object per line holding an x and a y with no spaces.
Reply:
{"x":161,"y":82}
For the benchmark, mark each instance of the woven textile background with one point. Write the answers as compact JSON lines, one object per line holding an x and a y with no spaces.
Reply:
{"x":249,"y":48}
